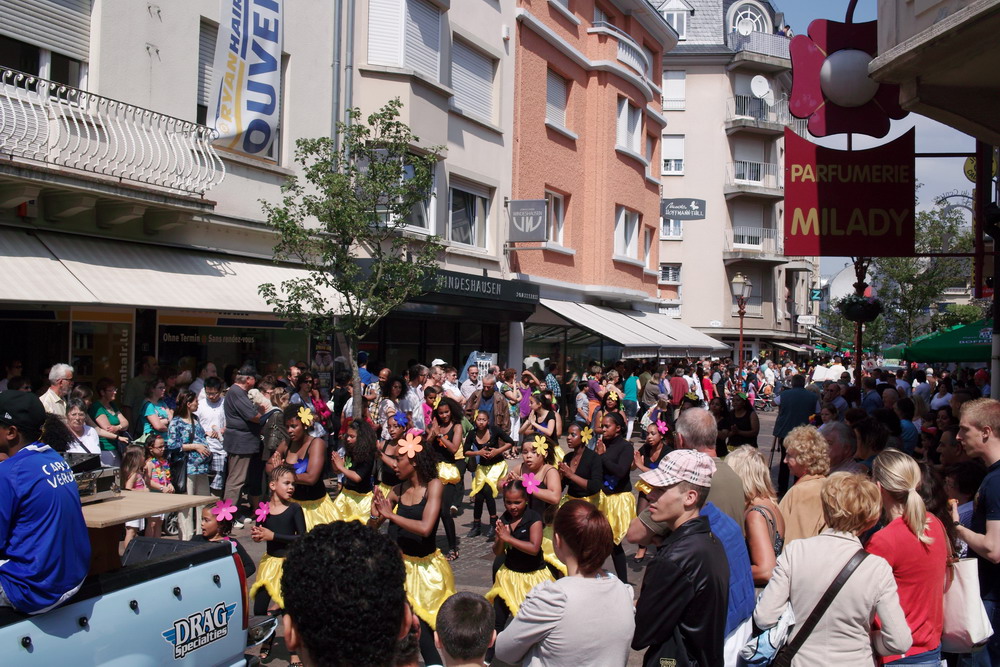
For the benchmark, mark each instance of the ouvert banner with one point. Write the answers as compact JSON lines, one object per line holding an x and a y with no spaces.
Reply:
{"x":246,"y":99}
{"x":849,"y":203}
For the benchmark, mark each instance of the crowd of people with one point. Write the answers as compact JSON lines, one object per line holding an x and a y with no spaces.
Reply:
{"x":883,"y":482}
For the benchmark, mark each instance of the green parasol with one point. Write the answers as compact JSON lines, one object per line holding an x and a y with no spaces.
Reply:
{"x":965,"y":342}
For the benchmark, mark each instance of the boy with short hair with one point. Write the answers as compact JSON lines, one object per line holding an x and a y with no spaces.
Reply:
{"x":465,"y":630}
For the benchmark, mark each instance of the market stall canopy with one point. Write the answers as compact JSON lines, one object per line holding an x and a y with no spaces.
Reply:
{"x":641,"y":334}
{"x":59,"y":268}
{"x":964,"y":342}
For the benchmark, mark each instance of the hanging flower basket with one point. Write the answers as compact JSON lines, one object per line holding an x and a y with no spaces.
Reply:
{"x":859,"y":308}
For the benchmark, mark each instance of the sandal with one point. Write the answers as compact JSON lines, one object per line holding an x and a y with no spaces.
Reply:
{"x":452,"y":555}
{"x":265,"y":649}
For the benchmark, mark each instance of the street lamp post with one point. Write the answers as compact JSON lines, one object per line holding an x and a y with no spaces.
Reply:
{"x":741,"y":289}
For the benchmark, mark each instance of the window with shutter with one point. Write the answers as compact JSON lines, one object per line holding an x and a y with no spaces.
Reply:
{"x":626,"y":232}
{"x":555,"y":99}
{"x":677,"y":21}
{"x":472,"y":80}
{"x":385,"y":30}
{"x":62,"y":27}
{"x":422,"y":39}
{"x":206,"y":60}
{"x":674,"y":90}
{"x":672,"y":154}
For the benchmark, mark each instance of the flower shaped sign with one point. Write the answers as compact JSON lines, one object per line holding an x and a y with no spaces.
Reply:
{"x":830,"y":82}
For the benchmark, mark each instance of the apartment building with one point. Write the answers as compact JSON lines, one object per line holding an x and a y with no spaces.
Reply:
{"x":725,"y":91}
{"x":588,"y":124}
{"x":132,"y":233}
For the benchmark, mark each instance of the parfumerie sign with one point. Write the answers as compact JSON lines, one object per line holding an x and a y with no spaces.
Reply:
{"x":849,"y":203}
{"x":527,"y":220}
{"x":682,"y":209}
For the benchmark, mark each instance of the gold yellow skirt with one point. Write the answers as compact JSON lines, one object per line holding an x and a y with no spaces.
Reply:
{"x":317,"y":511}
{"x":353,"y":506}
{"x":619,"y":508}
{"x":549,"y":551}
{"x":513,"y":587}
{"x":594,"y":500}
{"x":492,"y":474}
{"x":448,"y":473}
{"x":269,"y":578}
{"x":385,"y":489}
{"x":559,"y":454}
{"x":429,"y":582}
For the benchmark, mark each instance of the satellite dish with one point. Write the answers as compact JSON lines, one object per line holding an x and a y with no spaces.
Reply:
{"x":744,"y":27}
{"x":761,"y":89}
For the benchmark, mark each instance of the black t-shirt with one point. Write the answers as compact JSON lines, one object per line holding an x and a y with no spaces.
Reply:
{"x":497,"y":439}
{"x":287,"y":527}
{"x":365,"y":470}
{"x":987,"y":508}
{"x":516,"y":559}
{"x":590,"y":469}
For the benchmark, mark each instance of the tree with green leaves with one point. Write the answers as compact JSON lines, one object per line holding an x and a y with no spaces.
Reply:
{"x":955,"y":314}
{"x":842,"y":330}
{"x":342,"y":219}
{"x":909,"y":286}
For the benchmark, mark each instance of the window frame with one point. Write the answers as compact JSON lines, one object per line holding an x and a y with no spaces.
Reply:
{"x":674,"y":103}
{"x":550,"y":75}
{"x":629,"y":120}
{"x":672,"y":171}
{"x":664,"y":266}
{"x":677,"y":14}
{"x":478,"y":231}
{"x":669,"y":224}
{"x":464,"y":106}
{"x":626,"y":243}
{"x":555,"y":213}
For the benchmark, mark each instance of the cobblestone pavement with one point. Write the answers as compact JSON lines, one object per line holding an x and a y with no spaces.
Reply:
{"x":473,"y":569}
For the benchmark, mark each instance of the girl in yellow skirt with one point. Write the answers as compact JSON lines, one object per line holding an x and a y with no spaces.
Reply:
{"x":519,"y":541}
{"x":617,"y":501}
{"x":279,"y":523}
{"x":647,"y":458}
{"x":444,"y":434}
{"x":488,"y":444}
{"x":413,"y":526}
{"x":581,"y":470}
{"x":354,"y":502}
{"x":396,"y":425}
{"x":541,"y":420}
{"x":537,"y":471}
{"x":305,"y":455}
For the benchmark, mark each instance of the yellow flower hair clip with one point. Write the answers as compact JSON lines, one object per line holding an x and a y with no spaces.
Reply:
{"x":541,"y":446}
{"x":305,"y":416}
{"x":437,"y":401}
{"x":587,"y":434}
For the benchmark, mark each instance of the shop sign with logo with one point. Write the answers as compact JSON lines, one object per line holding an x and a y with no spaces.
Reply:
{"x":682,"y":209}
{"x":849,"y":203}
{"x":484,"y":287}
{"x":527,"y":220}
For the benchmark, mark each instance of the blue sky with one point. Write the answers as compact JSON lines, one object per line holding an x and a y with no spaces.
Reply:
{"x":938,"y":175}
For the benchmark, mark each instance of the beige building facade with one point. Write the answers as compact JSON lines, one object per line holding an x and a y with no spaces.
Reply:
{"x":725,"y":91}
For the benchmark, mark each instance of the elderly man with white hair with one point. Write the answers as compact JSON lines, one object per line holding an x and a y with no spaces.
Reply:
{"x":843,"y":445}
{"x":60,"y":384}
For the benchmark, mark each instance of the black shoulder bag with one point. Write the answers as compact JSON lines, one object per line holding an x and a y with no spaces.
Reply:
{"x":784,"y":656}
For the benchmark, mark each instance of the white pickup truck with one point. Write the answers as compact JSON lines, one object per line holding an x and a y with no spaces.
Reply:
{"x":171,"y":603}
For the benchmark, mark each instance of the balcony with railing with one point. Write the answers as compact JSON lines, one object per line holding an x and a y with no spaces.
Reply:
{"x":630,"y":53}
{"x":752,"y":114}
{"x":754,"y":243}
{"x":761,"y":50}
{"x":754,"y":179}
{"x":73,"y":131}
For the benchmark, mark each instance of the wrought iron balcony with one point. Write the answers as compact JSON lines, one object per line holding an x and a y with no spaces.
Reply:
{"x":753,"y":242}
{"x":761,"y":43}
{"x":54,"y":124}
{"x":758,"y":179}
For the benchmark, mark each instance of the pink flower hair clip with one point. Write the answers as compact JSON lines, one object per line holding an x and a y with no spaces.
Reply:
{"x":224,"y":510}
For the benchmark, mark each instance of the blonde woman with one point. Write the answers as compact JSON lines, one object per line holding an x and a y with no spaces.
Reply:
{"x":915,"y":545}
{"x":765,"y":527}
{"x":808,"y":457}
{"x":807,"y":567}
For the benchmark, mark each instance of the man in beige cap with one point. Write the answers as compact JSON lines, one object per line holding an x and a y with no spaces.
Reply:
{"x":681,"y":612}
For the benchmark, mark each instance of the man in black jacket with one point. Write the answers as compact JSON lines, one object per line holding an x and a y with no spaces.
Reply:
{"x":681,"y":613}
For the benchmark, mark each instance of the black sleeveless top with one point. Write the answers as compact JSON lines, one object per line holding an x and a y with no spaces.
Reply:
{"x":365,"y":470}
{"x":412,"y":544}
{"x":385,"y":472}
{"x":313,"y":491}
{"x":515,"y":559}
{"x":535,"y":503}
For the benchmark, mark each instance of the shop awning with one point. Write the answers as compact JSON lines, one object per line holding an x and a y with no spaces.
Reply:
{"x":792,"y":347}
{"x":136,"y":274}
{"x":640,"y":334}
{"x":33,"y":274}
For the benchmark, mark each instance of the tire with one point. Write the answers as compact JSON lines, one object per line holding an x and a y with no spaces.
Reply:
{"x":171,"y":525}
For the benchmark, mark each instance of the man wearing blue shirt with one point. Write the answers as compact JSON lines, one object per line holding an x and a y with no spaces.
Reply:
{"x":44,"y":546}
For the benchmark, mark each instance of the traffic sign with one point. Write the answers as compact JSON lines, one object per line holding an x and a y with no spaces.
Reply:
{"x":815,"y":294}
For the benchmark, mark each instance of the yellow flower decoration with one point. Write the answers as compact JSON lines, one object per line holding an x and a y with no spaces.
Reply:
{"x":587,"y":434}
{"x":437,"y":401}
{"x":305,"y":416}
{"x":613,"y":395}
{"x":541,"y":446}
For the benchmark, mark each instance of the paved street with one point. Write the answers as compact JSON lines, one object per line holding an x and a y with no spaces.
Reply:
{"x":472,"y":570}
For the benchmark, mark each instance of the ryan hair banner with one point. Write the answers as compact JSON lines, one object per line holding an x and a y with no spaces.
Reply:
{"x":246,"y":98}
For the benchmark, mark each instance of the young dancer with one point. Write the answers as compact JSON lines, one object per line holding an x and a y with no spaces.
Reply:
{"x":305,"y":455}
{"x":537,"y":471}
{"x":647,"y":458}
{"x":617,"y":501}
{"x":216,"y":528}
{"x":279,"y":523}
{"x":417,"y":503}
{"x":157,"y":478}
{"x":445,"y":435}
{"x":133,"y":471}
{"x":581,"y":470}
{"x":519,"y":541}
{"x":488,"y":443}
{"x":396,"y":425}
{"x":354,"y":502}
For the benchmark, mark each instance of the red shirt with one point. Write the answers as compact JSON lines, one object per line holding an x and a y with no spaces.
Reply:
{"x":678,"y":387}
{"x":919,"y":570}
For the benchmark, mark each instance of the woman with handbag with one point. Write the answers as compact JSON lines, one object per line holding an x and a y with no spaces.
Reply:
{"x":915,"y":545}
{"x":835,"y":588}
{"x":189,"y":457}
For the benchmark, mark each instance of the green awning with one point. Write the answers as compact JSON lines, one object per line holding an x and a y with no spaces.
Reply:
{"x":965,"y":342}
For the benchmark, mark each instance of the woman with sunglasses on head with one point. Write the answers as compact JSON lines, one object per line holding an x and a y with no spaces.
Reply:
{"x":413,"y":526}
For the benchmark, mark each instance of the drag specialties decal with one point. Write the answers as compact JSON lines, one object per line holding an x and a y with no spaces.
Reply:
{"x":199,"y":629}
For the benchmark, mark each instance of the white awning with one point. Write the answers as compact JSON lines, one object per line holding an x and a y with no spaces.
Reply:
{"x":82,"y":270}
{"x":640,"y":334}
{"x":793,"y":347}
{"x":33,"y":274}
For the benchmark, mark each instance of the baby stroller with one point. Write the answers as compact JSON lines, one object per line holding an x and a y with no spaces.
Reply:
{"x":764,"y":401}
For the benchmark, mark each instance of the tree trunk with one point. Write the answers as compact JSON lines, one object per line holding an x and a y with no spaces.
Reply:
{"x":357,"y":412}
